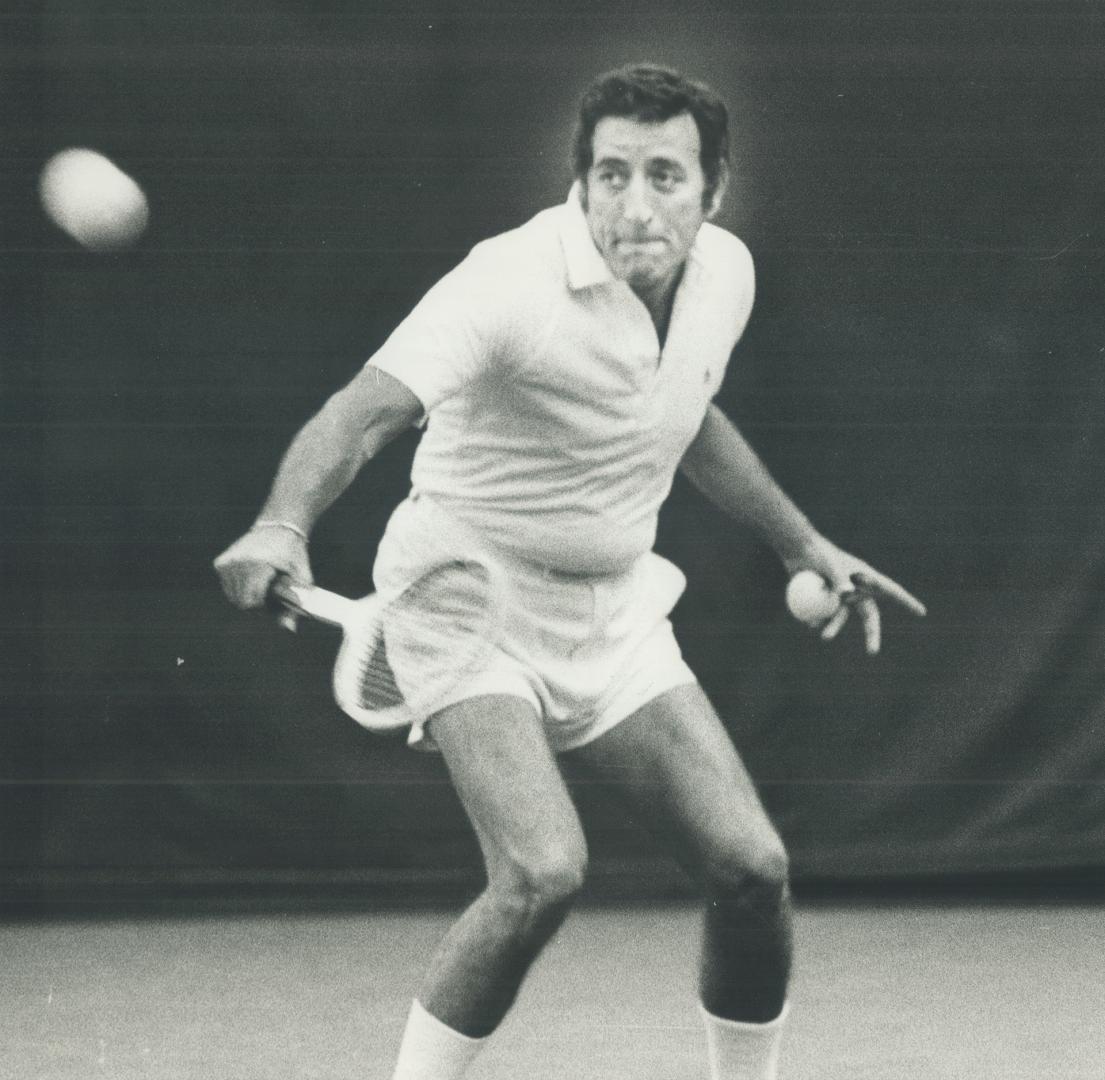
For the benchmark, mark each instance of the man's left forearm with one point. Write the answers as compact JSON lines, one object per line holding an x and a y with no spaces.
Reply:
{"x":722,"y":465}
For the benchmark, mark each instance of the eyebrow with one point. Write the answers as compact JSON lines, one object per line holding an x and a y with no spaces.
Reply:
{"x":666,"y":162}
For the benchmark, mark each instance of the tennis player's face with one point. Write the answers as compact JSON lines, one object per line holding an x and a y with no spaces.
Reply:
{"x":643,"y":197}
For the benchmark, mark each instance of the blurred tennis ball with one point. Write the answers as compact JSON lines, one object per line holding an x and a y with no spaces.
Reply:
{"x":809,"y":598}
{"x":93,"y":200}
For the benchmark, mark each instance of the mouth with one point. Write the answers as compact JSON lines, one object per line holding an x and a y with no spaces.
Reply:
{"x":644,"y":244}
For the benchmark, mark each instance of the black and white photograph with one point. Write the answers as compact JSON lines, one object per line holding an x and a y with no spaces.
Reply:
{"x":552,"y":540}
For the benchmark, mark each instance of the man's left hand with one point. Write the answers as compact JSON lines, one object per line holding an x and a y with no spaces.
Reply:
{"x":859,"y":587}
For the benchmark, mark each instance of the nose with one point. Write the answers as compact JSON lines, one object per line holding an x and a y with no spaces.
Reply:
{"x":636,"y":207}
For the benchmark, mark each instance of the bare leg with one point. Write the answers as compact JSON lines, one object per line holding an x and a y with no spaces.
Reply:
{"x":534,"y":853}
{"x":675,"y":766}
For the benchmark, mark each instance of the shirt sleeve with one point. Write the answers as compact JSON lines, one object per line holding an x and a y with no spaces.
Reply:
{"x":453,"y":336}
{"x":734,"y":295}
{"x":744,"y":288}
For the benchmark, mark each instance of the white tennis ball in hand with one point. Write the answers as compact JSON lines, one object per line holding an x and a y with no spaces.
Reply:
{"x":810,"y":599}
{"x":93,"y":200}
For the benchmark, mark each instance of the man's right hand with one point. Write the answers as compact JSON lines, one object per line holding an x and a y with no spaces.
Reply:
{"x":248,"y":567}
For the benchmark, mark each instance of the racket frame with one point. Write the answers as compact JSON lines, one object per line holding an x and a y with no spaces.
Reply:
{"x":360,"y":619}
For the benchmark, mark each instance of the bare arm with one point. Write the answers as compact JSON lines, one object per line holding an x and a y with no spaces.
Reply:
{"x":331,"y":448}
{"x":721,"y":464}
{"x":322,"y":460}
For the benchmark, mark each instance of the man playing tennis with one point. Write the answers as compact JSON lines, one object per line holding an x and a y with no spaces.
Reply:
{"x":566,"y":369}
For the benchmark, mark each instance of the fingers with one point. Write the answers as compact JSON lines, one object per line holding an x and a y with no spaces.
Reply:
{"x":836,"y":623}
{"x":245,"y":583}
{"x":860,"y":587}
{"x":872,"y":623}
{"x":248,"y":568}
{"x":872,"y":582}
{"x":869,"y":616}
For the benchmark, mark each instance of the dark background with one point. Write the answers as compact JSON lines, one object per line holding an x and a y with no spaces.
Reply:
{"x":921,"y":186}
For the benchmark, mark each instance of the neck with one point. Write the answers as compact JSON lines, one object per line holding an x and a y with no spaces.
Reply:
{"x":658,"y":298}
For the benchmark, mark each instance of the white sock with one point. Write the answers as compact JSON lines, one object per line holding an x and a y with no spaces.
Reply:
{"x":431,"y":1050}
{"x":740,"y":1051}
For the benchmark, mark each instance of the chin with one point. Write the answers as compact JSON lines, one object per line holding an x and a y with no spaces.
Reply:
{"x":646,"y":275}
{"x":640,"y":279}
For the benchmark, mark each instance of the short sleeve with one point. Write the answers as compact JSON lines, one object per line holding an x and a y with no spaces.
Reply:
{"x":743,"y":286}
{"x":726,"y":300}
{"x":453,"y":335}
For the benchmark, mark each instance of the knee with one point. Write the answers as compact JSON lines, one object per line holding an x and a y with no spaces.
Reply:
{"x":542,"y":885}
{"x":757,"y":874}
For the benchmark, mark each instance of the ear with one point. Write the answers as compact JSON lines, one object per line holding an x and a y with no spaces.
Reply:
{"x":718,"y":195}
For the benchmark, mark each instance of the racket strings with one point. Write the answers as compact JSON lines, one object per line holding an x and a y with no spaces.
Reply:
{"x":373,"y":680}
{"x":427,"y":639}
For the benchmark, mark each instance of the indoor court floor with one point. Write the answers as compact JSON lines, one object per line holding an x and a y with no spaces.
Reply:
{"x":887,"y":991}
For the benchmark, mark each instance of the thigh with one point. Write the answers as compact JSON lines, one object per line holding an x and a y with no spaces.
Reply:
{"x":674,"y":764}
{"x":509,"y":783}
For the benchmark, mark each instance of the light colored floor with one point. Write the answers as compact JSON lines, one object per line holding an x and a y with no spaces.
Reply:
{"x":982,"y":992}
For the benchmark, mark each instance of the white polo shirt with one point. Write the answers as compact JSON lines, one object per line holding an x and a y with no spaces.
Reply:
{"x":555,"y":422}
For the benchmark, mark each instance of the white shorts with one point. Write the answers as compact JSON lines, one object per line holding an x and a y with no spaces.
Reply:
{"x":584,"y":651}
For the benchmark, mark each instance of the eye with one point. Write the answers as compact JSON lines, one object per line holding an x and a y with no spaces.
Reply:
{"x":664,"y":179}
{"x":611,"y":178}
{"x":609,"y":175}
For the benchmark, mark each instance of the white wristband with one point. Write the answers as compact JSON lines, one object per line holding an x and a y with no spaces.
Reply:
{"x":272,"y":523}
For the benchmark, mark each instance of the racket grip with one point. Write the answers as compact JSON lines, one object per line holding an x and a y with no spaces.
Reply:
{"x":315,"y":602}
{"x":279,"y":604}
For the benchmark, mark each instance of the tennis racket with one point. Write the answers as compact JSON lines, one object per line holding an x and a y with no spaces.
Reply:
{"x":402,"y":655}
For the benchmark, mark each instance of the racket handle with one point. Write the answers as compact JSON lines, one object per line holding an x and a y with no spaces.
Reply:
{"x":315,"y":602}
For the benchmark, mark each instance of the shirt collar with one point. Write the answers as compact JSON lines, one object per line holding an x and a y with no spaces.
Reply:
{"x":586,"y":266}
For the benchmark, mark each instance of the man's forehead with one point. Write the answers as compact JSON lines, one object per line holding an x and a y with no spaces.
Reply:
{"x":626,"y":136}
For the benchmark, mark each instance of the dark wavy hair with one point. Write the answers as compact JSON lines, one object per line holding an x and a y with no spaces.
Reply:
{"x":652,"y":93}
